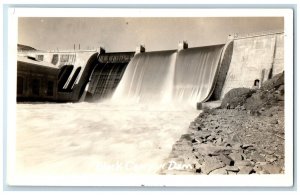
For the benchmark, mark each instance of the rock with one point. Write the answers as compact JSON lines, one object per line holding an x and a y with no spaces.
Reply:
{"x":194,"y":125}
{"x":203,"y":134}
{"x":197,"y":167}
{"x":270,"y":152}
{"x":257,"y":168}
{"x":270,"y":158}
{"x":245,"y":170}
{"x":274,"y":121}
{"x":188,"y":137}
{"x":197,"y":140}
{"x":226,"y":159}
{"x":279,"y":97}
{"x":243,"y":163}
{"x":235,"y":138}
{"x":262,"y":172}
{"x":255,"y":156}
{"x":221,"y":171}
{"x":281,"y":89}
{"x":211,"y":150}
{"x":236,"y":97}
{"x":274,"y":82}
{"x":271,"y":169}
{"x":209,"y":138}
{"x":232,"y":168}
{"x":219,"y":141}
{"x":245,"y":146}
{"x":236,"y":156}
{"x":261,"y":163}
{"x":227,"y":145}
{"x":236,"y":147}
{"x":182,"y":147}
{"x":210,"y":164}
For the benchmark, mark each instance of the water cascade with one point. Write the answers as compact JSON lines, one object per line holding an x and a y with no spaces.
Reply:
{"x":195,"y":72}
{"x":148,"y":78}
{"x":185,"y":76}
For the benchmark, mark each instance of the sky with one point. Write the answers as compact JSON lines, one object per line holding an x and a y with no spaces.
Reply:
{"x":125,"y":34}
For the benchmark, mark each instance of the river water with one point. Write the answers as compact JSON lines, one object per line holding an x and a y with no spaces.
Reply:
{"x":97,"y":138}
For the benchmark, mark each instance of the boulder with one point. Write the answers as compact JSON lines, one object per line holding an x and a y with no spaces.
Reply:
{"x":236,"y":156}
{"x":273,"y":83}
{"x":242,"y":163}
{"x":232,"y":169}
{"x":210,"y":164}
{"x":226,"y":159}
{"x":210,"y":150}
{"x":236,"y":97}
{"x":221,"y":171}
{"x":271,"y":169}
{"x":245,"y":170}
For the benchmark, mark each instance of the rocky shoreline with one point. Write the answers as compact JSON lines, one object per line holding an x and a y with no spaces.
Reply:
{"x":245,"y":135}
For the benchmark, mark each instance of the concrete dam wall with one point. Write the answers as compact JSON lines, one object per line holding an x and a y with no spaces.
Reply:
{"x":254,"y":58}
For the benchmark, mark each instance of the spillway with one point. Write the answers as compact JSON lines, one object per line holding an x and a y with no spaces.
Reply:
{"x":195,"y":72}
{"x":105,"y":79}
{"x":148,"y":78}
{"x":107,"y":75}
{"x":185,"y":76}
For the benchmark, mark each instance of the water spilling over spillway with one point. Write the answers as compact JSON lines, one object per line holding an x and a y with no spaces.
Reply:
{"x":195,"y":72}
{"x":148,"y":78}
{"x":184,"y":77}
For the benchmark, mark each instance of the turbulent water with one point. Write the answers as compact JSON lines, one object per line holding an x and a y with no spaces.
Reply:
{"x":96,"y":138}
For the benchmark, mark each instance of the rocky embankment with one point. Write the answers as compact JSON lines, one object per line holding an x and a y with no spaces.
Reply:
{"x":245,"y":135}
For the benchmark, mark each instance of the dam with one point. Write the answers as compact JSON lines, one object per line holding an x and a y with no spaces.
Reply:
{"x":125,"y":109}
{"x":189,"y":75}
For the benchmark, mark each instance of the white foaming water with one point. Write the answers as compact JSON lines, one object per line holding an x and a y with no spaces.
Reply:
{"x":96,"y":138}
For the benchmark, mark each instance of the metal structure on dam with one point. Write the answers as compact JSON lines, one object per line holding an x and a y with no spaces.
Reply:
{"x":183,"y":75}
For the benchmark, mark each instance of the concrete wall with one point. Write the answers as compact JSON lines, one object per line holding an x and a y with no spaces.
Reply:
{"x":42,"y":77}
{"x":256,"y":57}
{"x":278,"y":65}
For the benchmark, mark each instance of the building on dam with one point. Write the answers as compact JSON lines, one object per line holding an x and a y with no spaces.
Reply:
{"x":185,"y":74}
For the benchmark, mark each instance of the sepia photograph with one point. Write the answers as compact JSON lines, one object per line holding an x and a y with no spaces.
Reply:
{"x":149,"y":95}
